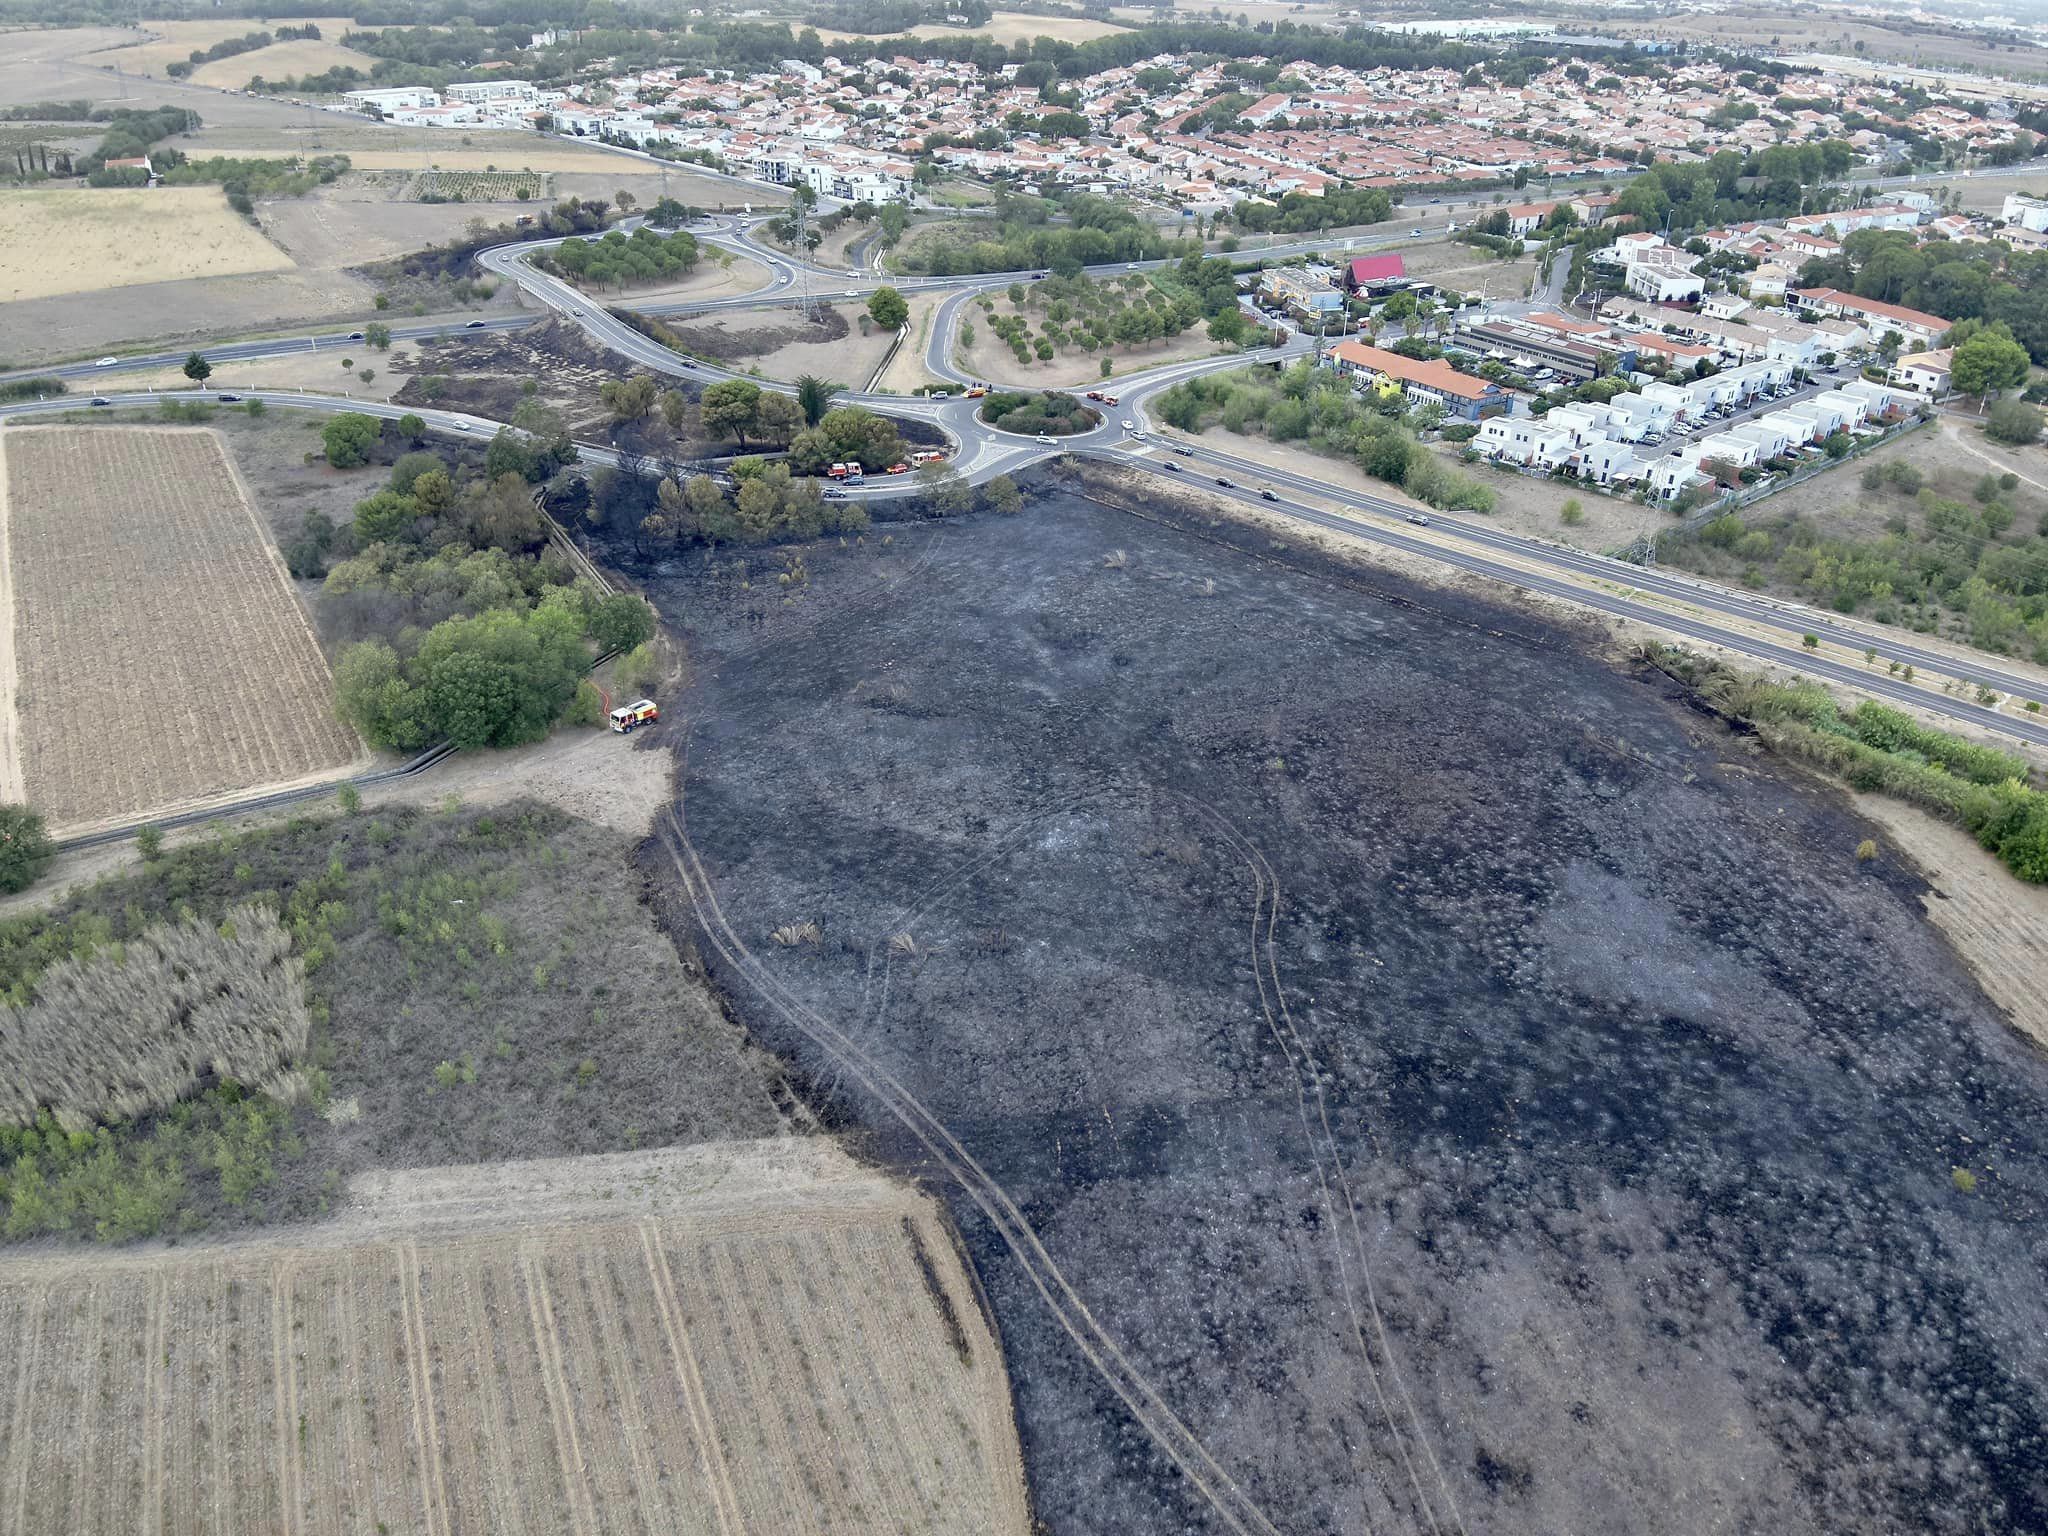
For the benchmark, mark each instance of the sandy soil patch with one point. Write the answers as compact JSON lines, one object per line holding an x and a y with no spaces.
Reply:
{"x":990,"y":358}
{"x":906,"y":372}
{"x":770,"y":343}
{"x":751,"y":1335}
{"x":317,"y":372}
{"x":79,"y":241}
{"x":151,"y":610}
{"x":1005,"y":27}
{"x":281,"y":61}
{"x":1998,"y":924}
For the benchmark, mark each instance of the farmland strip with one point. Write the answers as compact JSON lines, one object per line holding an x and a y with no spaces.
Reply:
{"x":425,"y":1422}
{"x":21,"y":1426}
{"x":717,"y":1477}
{"x":540,"y":1312}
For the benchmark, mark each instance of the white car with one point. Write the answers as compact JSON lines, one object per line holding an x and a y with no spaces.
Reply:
{"x":1128,"y":426}
{"x":105,"y":362}
{"x":1045,"y":438}
{"x":853,"y":293}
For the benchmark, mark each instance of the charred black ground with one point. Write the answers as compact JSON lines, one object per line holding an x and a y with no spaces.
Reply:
{"x":1646,"y":1095}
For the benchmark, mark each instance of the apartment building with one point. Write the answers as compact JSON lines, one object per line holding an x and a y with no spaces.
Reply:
{"x":1460,"y":394}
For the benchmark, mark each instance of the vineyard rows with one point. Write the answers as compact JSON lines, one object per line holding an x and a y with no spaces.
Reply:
{"x":479,"y":186}
{"x":161,"y":652}
{"x":660,"y":1374}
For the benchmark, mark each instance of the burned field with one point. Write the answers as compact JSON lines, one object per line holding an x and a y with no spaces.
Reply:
{"x":1470,"y":1091}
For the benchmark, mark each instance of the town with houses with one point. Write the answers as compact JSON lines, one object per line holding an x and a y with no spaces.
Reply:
{"x":1703,"y":343}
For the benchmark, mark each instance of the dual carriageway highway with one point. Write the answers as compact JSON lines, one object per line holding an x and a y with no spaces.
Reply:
{"x":1684,"y":606}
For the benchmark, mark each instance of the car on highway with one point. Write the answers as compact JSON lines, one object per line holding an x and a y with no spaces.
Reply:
{"x":1094,"y":394}
{"x":977,"y":392}
{"x":577,"y":313}
{"x":1414,"y":234}
{"x":1222,"y":480}
{"x":1183,"y":450}
{"x":1045,"y":438}
{"x":835,"y":494}
{"x":474,"y":325}
{"x":227,"y":399}
{"x":101,"y":400}
{"x":1417,"y":517}
{"x":1169,"y":464}
{"x":355,"y":335}
{"x":105,"y":362}
{"x":1267,"y":493}
{"x":853,"y":293}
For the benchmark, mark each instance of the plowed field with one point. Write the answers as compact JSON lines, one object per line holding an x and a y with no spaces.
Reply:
{"x":160,"y":655}
{"x":752,"y":1336}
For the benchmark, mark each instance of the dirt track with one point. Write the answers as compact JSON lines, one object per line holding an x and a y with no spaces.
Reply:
{"x":740,"y":1336}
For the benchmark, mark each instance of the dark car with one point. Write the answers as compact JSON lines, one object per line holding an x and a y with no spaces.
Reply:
{"x":1221,"y":481}
{"x":474,"y":325}
{"x":1169,"y":464}
{"x":227,"y":399}
{"x":1184,"y":451}
{"x":101,"y":400}
{"x":1266,"y":493}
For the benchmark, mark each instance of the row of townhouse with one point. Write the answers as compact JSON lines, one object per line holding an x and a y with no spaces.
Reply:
{"x":836,"y":171}
{"x":1856,"y":405}
{"x":1749,"y":333}
{"x":1433,"y":380}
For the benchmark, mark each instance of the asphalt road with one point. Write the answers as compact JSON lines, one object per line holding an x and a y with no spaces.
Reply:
{"x":980,"y":453}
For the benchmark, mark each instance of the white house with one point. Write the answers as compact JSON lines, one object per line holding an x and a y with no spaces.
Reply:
{"x":1522,"y":440}
{"x":1728,"y":449}
{"x":1924,"y":373}
{"x":1669,"y":476}
{"x":2029,"y":213}
{"x":493,"y":90}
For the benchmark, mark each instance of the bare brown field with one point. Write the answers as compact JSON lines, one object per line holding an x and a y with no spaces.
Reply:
{"x":739,"y":1336}
{"x":161,"y":654}
{"x":76,"y":241}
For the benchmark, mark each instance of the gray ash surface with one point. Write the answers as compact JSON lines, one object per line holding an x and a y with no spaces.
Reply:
{"x":1596,"y":1175}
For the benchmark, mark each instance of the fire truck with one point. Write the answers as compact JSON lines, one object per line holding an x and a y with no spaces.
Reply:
{"x":628,"y":717}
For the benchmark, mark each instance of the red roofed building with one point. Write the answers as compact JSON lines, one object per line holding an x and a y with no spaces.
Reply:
{"x":1460,"y":394}
{"x":1374,"y":273}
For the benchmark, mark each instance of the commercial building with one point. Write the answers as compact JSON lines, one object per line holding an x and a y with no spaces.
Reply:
{"x":1433,"y":379}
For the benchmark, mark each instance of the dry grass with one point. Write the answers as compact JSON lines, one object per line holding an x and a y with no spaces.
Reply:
{"x":750,"y":1336}
{"x":135,"y":1029}
{"x":281,"y":61}
{"x":161,"y":653}
{"x":532,"y":155}
{"x":81,"y":241}
{"x":172,"y":41}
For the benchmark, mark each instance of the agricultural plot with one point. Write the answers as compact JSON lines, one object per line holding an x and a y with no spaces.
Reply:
{"x":754,"y":1336}
{"x":438,"y":186}
{"x":160,"y":655}
{"x":77,"y":241}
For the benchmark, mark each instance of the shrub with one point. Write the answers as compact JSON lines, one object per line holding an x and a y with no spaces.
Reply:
{"x":25,"y":848}
{"x":2014,"y":422}
{"x":149,"y":841}
{"x":348,"y":439}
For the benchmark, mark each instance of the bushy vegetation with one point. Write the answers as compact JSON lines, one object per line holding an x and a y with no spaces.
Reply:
{"x":228,"y":47}
{"x":25,"y":848}
{"x":1983,"y":280}
{"x":499,"y":941}
{"x":1880,"y":750}
{"x":1080,"y":314}
{"x":142,"y":1024}
{"x":31,"y":389}
{"x":1314,"y":406}
{"x":244,"y":180}
{"x":617,"y":260}
{"x":1098,"y":231}
{"x":1050,"y":411}
{"x":1942,"y":565}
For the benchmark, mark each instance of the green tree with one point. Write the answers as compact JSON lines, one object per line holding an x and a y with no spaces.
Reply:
{"x":1228,"y":327}
{"x":25,"y":848}
{"x":730,"y":408}
{"x":621,"y":621}
{"x":2014,"y":422}
{"x":372,"y":694}
{"x":1988,"y":362}
{"x":888,"y":309}
{"x":197,"y":368}
{"x":779,"y":418}
{"x":814,"y":396}
{"x":1001,"y":495}
{"x":348,"y":439}
{"x":500,"y":678}
{"x":378,"y":335}
{"x":410,"y":427}
{"x":385,"y":516}
{"x":629,"y":399}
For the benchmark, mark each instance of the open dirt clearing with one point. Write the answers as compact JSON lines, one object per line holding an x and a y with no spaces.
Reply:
{"x":992,"y":359}
{"x":784,"y":344}
{"x":161,"y":654}
{"x":741,"y":1336}
{"x":712,"y":279}
{"x":79,"y":241}
{"x":1214,"y":926}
